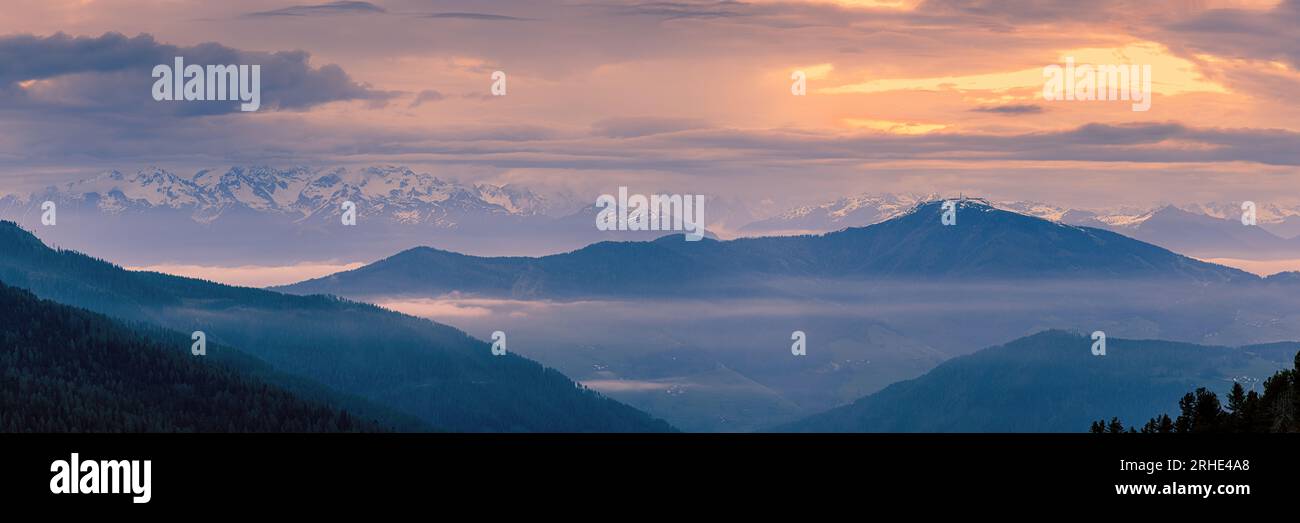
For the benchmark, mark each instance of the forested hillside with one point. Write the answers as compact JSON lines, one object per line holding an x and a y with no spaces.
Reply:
{"x":64,"y":369}
{"x":1047,"y":382}
{"x":1277,"y":409}
{"x":434,"y":372}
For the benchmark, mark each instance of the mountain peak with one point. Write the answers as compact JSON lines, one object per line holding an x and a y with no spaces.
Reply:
{"x":985,"y":244}
{"x":393,"y":191}
{"x":1169,"y":209}
{"x":961,"y":204}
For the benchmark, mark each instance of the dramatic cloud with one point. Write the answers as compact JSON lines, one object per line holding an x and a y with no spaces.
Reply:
{"x":1265,"y":35}
{"x":112,"y":73}
{"x":937,"y":95}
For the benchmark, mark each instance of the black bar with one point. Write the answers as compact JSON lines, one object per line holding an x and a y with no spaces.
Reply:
{"x":888,"y":470}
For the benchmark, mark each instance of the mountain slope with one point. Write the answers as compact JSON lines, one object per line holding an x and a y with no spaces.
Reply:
{"x":855,"y":211}
{"x":437,"y":373}
{"x":1049,"y":382}
{"x":1207,"y":236}
{"x":985,"y":244}
{"x":64,"y":369}
{"x":1207,"y":230}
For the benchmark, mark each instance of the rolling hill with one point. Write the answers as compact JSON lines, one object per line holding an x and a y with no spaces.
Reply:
{"x":431,"y":371}
{"x":986,"y":243}
{"x":1050,"y":382}
{"x":64,"y":369}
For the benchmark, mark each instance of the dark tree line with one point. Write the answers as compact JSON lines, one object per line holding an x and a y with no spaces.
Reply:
{"x":64,"y":369}
{"x":409,"y":373}
{"x":1276,"y":410}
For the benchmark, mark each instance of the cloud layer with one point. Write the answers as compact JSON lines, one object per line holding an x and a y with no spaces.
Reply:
{"x":112,"y":73}
{"x":685,"y":95}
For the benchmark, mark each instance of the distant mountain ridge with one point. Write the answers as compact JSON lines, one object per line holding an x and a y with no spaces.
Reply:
{"x":985,"y":243}
{"x":851,"y":211}
{"x":1205,"y":230}
{"x":436,"y":373}
{"x":1209,"y":236}
{"x":257,"y":215}
{"x":264,"y":216}
{"x":391,"y":192}
{"x":1049,"y":382}
{"x":870,"y":208}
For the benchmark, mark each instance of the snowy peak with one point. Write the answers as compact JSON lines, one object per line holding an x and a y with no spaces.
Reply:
{"x":114,"y":191}
{"x":850,"y":211}
{"x":1265,"y":212}
{"x":259,"y":188}
{"x":399,"y":184}
{"x":887,"y":205}
{"x":867,"y":209}
{"x":514,"y":200}
{"x":397,"y":192}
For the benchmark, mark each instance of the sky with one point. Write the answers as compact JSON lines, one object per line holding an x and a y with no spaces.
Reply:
{"x":925,"y":96}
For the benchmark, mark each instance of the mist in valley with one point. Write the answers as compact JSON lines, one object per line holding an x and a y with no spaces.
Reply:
{"x":726,"y":364}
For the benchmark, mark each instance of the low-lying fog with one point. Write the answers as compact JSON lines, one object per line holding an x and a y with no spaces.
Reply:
{"x":726,"y":364}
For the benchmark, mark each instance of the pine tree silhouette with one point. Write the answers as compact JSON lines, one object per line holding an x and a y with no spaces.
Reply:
{"x":1276,"y":410}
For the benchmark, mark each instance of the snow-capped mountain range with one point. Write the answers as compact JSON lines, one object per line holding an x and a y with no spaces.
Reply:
{"x":255,"y":215}
{"x":866,"y":209}
{"x":263,"y":215}
{"x":852,"y":211}
{"x":1208,"y":230}
{"x":395,"y":193}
